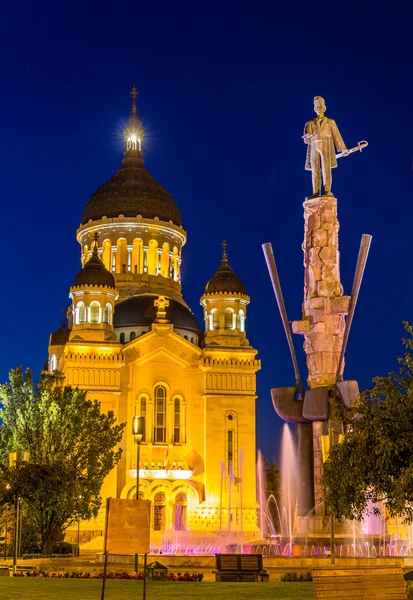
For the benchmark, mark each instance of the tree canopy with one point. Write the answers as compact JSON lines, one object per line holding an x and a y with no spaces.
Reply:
{"x":72,"y":447}
{"x":374,"y":461}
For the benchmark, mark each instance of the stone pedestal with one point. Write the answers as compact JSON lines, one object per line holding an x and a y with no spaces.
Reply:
{"x":324,"y":310}
{"x":324,"y":305}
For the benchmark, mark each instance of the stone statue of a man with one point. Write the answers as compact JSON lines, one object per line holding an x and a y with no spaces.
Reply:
{"x":323,"y":139}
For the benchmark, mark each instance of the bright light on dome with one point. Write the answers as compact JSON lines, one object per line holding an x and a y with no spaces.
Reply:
{"x":134,"y":138}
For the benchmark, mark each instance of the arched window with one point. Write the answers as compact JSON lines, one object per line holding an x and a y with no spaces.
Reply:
{"x":107,"y":314}
{"x":137,"y":256}
{"x":152,"y":257}
{"x":121,"y":256}
{"x":107,"y":254}
{"x":177,"y":421}
{"x":215,"y":319}
{"x":165,"y":260}
{"x":81,"y":313}
{"x":241,"y":320}
{"x":160,"y":415}
{"x":159,"y":511}
{"x":229,"y":318}
{"x":181,"y":503}
{"x":140,"y":411}
{"x":94,"y":312}
{"x":132,"y":335}
{"x":53,"y":363}
{"x":122,"y":338}
{"x":175,"y":263}
{"x":231,"y":445}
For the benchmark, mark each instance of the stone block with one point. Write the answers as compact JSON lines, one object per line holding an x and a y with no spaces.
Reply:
{"x":308,"y":348}
{"x":329,"y":215}
{"x":321,"y":380}
{"x":334,"y":324}
{"x":329,"y":289}
{"x":315,"y":304}
{"x":314,"y":220}
{"x":329,"y":256}
{"x":316,"y":316}
{"x":300,"y":326}
{"x":340,"y":305}
{"x":319,"y":237}
{"x":322,"y":343}
{"x":314,"y":256}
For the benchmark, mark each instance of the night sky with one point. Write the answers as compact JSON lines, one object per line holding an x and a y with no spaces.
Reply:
{"x":225,"y":90}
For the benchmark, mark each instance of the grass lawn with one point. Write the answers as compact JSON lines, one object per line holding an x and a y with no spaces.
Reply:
{"x":75,"y":589}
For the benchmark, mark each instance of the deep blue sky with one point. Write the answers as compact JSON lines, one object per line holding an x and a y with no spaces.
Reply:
{"x":225,"y":91}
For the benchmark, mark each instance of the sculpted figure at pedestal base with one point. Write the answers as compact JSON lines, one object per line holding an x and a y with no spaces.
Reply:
{"x":323,"y":138}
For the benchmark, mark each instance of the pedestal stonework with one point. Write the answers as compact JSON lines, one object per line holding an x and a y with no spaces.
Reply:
{"x":324,"y":306}
{"x":324,"y":310}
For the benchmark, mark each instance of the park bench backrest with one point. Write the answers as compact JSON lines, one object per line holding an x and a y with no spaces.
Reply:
{"x":238,"y":562}
{"x":250,"y":562}
{"x":227,"y":562}
{"x":380,"y":583}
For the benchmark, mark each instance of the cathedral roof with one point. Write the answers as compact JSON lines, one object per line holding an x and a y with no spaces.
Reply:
{"x":140,"y":311}
{"x":132,"y":190}
{"x":225,"y":279}
{"x":60,"y":336}
{"x":94,"y":272}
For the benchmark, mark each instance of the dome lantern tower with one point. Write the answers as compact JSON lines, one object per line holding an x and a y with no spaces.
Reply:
{"x":225,"y":303}
{"x":93,"y":296}
{"x":134,"y":132}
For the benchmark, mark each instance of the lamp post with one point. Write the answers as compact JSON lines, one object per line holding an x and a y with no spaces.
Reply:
{"x":138,"y":431}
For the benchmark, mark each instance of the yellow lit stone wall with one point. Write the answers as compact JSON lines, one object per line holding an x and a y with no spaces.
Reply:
{"x":211,"y":384}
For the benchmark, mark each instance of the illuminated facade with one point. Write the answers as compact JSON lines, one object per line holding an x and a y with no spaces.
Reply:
{"x":133,"y":343}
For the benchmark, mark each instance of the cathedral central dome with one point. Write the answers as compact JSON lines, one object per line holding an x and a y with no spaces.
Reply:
{"x":130,"y":192}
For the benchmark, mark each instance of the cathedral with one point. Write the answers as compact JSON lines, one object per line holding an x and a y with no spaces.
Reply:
{"x":133,"y":343}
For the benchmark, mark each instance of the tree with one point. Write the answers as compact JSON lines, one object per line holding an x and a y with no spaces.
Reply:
{"x":374,"y":462}
{"x":72,"y":446}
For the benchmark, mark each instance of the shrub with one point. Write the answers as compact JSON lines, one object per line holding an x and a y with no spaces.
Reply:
{"x":293,"y":576}
{"x":62,"y":548}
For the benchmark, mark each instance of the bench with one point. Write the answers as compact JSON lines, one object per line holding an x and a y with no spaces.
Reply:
{"x":380,"y":583}
{"x":240,"y":567}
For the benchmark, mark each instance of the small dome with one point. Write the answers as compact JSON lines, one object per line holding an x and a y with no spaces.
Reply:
{"x":61,"y":336}
{"x":225,"y":279}
{"x":94,"y":273}
{"x":140,"y":311}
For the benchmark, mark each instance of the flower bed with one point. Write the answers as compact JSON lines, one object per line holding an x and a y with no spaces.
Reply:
{"x":109,"y":575}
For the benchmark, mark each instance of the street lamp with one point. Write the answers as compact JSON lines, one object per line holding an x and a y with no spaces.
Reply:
{"x":138,"y":431}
